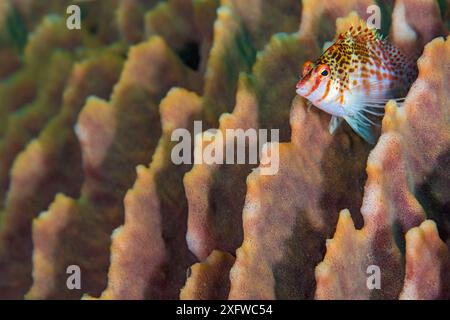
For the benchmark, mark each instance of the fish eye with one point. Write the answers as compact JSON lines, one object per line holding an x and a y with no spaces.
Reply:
{"x":323,"y":70}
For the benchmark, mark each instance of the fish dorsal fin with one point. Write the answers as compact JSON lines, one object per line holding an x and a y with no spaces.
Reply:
{"x":363,"y":34}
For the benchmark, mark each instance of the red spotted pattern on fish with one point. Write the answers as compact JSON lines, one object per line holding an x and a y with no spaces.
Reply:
{"x":355,"y":77}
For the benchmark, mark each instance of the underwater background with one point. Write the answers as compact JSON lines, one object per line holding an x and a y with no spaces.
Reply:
{"x":86,"y":177}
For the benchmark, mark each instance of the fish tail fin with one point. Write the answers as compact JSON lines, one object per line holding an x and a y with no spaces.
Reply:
{"x":361,"y":127}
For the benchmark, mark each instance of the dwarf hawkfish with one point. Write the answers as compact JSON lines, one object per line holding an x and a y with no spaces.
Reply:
{"x":355,"y":77}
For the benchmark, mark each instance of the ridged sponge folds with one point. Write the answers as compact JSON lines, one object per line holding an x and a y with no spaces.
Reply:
{"x":88,"y":179}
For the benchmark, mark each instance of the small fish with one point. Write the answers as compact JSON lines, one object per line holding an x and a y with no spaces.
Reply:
{"x":355,"y":77}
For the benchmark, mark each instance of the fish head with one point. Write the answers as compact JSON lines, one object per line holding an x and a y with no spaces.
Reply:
{"x":319,"y":85}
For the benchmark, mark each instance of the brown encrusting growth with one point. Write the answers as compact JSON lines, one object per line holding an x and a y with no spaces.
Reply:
{"x":209,"y":280}
{"x":427,"y":262}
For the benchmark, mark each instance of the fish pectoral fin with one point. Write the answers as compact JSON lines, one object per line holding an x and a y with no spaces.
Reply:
{"x":361,"y":127}
{"x":378,"y":97}
{"x":335,"y":122}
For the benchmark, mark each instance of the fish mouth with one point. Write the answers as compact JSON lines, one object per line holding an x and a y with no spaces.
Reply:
{"x":301,"y":83}
{"x":300,"y":87}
